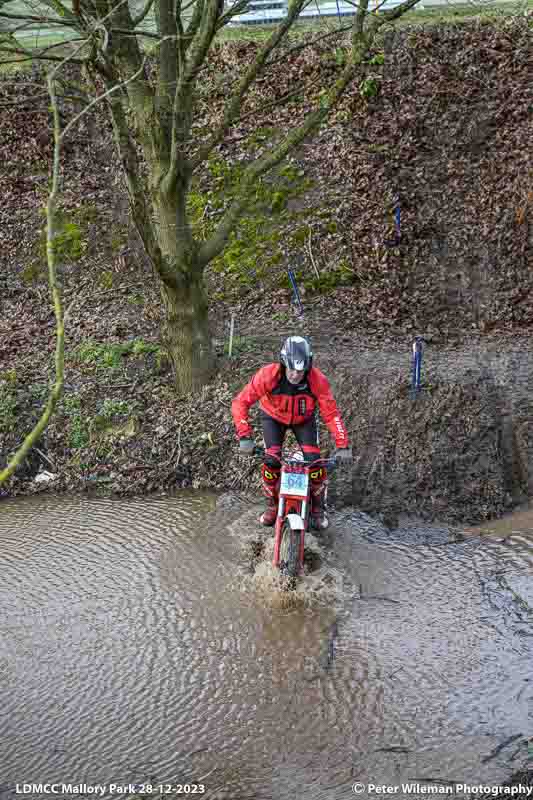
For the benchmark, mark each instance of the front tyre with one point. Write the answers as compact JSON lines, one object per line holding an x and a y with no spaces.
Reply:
{"x":289,"y":551}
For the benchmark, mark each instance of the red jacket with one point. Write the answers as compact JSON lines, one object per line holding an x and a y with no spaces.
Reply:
{"x":287,"y":403}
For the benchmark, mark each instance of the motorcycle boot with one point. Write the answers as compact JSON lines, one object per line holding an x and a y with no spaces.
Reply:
{"x":318,"y":518}
{"x":271,"y":477}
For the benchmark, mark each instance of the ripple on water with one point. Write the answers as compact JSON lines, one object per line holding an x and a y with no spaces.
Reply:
{"x":136,"y":641}
{"x":424,"y":615}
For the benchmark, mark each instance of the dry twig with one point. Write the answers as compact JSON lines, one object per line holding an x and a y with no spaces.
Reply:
{"x":309,"y":247}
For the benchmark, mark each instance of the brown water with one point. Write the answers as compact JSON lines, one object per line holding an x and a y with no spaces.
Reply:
{"x":135,"y":645}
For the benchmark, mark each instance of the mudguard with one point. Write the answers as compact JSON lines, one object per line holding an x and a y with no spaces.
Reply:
{"x":296,"y":522}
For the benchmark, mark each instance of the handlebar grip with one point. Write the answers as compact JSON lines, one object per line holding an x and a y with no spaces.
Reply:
{"x":329,"y":464}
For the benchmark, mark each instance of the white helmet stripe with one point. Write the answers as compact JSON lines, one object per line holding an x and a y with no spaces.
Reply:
{"x":296,"y":353}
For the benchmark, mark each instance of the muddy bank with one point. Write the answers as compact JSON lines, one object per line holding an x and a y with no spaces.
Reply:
{"x":459,"y":452}
{"x":462,"y":451}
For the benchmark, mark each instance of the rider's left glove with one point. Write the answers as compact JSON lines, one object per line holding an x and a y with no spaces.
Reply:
{"x":344,"y":455}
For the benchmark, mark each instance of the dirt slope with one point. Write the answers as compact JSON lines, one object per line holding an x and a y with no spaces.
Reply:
{"x":455,"y":151}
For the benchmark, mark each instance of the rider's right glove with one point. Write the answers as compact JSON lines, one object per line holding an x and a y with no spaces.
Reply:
{"x":246,"y":447}
{"x":344,"y":455}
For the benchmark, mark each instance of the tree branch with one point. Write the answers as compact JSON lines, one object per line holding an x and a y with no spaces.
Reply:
{"x":280,"y":101}
{"x":394,"y":13}
{"x":117,"y":87}
{"x":62,"y":11}
{"x":125,"y":32}
{"x":237,"y":8}
{"x":137,"y":189}
{"x":201,"y":44}
{"x":144,"y":13}
{"x":194,"y":23}
{"x":180,"y":43}
{"x":41,"y":55}
{"x":360,"y":43}
{"x":234,"y":106}
{"x":30,"y":18}
{"x":310,"y":43}
{"x":192,"y":2}
{"x":182,"y":114}
{"x":123,"y":54}
{"x":168,"y":70}
{"x":51,"y":255}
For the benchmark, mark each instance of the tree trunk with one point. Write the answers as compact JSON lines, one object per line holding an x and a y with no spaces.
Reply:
{"x":185,"y":329}
{"x":185,"y":334}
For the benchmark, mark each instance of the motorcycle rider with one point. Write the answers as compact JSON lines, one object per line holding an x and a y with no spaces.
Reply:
{"x":289,"y":393}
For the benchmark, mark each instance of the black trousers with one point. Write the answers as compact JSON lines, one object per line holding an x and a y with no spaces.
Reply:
{"x":274,"y":434}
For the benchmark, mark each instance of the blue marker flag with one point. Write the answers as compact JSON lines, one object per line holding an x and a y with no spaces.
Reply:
{"x":397,"y":218}
{"x":296,"y":292}
{"x":417,"y":364}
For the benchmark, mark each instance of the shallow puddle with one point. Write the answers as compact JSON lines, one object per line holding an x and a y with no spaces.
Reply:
{"x":149,"y":641}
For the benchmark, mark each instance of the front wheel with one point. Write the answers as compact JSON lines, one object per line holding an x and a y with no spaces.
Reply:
{"x":289,"y":551}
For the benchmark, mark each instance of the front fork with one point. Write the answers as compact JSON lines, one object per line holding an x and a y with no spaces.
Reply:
{"x":302,"y":510}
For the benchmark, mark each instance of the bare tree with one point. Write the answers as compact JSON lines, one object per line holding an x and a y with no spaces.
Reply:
{"x":153,"y":119}
{"x":51,"y":255}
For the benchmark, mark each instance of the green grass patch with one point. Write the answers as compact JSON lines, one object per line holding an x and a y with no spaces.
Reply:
{"x":254,"y":249}
{"x":105,"y":279}
{"x":78,"y":428}
{"x":240,"y":344}
{"x":114,"y":420}
{"x":342,"y":275}
{"x":442,"y":15}
{"x":101,"y":355}
{"x":9,"y":376}
{"x":71,"y":242}
{"x":111,"y":408}
{"x":8,"y":407}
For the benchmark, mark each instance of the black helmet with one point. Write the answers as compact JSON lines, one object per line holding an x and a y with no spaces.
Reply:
{"x":296,"y":353}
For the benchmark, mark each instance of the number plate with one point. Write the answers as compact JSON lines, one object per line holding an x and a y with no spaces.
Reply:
{"x":294,"y":483}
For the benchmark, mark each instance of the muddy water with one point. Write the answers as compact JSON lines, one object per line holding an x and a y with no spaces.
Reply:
{"x":136,"y":645}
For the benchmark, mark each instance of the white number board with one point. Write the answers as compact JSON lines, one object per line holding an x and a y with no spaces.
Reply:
{"x":294,"y":483}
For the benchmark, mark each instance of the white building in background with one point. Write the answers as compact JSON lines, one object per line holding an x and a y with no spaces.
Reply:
{"x":266,"y":11}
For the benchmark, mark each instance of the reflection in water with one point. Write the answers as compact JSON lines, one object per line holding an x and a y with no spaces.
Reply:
{"x":516,"y":530}
{"x":134,"y":646}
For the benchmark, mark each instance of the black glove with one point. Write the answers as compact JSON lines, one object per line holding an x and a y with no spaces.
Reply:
{"x":246,"y":447}
{"x":344,"y":455}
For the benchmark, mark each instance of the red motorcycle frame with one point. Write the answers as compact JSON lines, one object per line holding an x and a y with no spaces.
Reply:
{"x":294,"y":506}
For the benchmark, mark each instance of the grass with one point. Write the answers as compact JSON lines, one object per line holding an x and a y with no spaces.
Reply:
{"x":77,"y":422}
{"x":35,"y":41}
{"x":437,"y":15}
{"x":8,"y":409}
{"x":39,"y":38}
{"x":46,"y":35}
{"x":239,"y":345}
{"x":80,"y":425}
{"x":102,"y":355}
{"x":445,"y":14}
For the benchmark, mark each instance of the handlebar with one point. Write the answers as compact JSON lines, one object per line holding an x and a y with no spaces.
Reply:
{"x":329,"y":463}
